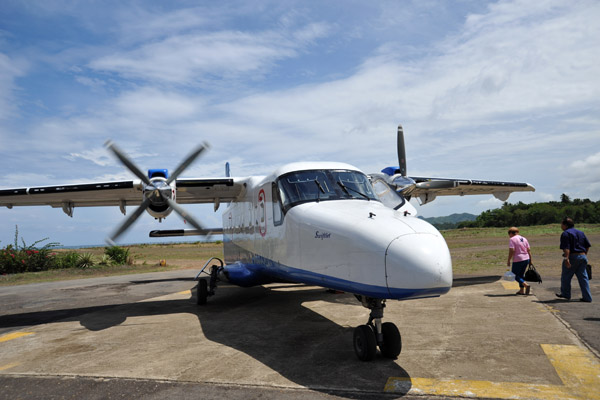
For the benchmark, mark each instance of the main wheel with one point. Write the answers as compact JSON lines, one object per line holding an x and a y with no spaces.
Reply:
{"x":365,"y":343}
{"x":201,"y":292}
{"x":392,"y":342}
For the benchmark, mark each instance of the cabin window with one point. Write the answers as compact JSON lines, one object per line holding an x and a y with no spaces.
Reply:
{"x":277,"y":207}
{"x":323,"y":185}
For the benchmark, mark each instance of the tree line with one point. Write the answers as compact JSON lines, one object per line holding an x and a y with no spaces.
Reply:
{"x":520,"y":214}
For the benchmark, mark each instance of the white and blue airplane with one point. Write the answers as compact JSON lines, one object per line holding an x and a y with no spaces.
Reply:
{"x":317,"y":223}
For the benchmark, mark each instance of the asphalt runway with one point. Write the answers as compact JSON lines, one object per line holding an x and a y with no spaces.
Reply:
{"x":143,"y":336}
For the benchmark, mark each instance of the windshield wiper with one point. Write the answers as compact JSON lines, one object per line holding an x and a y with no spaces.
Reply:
{"x":346,"y":188}
{"x":321,"y":190}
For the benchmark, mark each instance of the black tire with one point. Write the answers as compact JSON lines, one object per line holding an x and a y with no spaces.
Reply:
{"x":201,"y":292}
{"x":392,"y":341}
{"x":365,"y":343}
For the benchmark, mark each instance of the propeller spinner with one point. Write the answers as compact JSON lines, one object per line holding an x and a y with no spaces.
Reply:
{"x":158,"y":192}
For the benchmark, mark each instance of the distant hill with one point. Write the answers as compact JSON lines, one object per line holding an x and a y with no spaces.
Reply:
{"x":450,"y":221}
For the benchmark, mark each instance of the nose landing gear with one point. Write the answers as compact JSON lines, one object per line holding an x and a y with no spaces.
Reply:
{"x":375,"y":333}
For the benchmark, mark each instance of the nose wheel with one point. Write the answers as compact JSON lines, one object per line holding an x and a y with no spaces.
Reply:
{"x":375,"y":333}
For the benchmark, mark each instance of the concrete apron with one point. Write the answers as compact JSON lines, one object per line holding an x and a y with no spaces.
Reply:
{"x":480,"y":340}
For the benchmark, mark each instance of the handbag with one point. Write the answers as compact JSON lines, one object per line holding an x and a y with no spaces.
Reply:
{"x":531,"y":275}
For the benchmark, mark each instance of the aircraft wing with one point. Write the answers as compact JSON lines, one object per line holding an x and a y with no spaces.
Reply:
{"x":118,"y":193}
{"x":427,"y":189}
{"x":193,"y":191}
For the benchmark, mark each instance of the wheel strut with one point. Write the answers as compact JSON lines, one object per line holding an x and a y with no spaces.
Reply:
{"x":383,"y":334}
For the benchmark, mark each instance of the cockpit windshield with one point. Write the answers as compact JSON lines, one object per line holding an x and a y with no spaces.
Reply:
{"x":321,"y":185}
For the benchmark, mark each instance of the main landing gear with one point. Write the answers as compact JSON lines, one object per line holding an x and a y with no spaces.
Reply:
{"x":375,"y":333}
{"x":206,"y":286}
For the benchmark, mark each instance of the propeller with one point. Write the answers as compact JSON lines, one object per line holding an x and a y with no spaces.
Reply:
{"x":126,"y":161}
{"x":157,"y":192}
{"x":406,"y":185}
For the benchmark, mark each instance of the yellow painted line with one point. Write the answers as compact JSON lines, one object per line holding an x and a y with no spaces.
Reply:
{"x":478,"y":389}
{"x":11,"y":336}
{"x":185,"y":292}
{"x":8,"y":366}
{"x":510,"y":285}
{"x":578,"y":369}
{"x":551,"y":309}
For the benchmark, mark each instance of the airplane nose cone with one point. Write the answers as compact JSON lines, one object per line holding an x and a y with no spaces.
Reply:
{"x":418,"y":265}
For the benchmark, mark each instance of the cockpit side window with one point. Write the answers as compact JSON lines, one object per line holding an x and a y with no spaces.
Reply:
{"x":356,"y":183}
{"x":322,"y":185}
{"x":387,"y":195}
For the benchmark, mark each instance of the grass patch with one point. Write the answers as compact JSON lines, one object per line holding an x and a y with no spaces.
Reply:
{"x":145,"y":258}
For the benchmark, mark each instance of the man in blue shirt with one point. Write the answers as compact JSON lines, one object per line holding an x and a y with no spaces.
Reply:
{"x":575,"y":247}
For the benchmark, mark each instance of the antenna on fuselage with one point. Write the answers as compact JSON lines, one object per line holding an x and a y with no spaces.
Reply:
{"x":227,"y":171}
{"x":401,"y":152}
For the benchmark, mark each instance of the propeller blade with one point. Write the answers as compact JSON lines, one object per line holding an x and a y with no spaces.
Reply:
{"x":401,"y":151}
{"x":127,"y":223}
{"x":186,"y":163}
{"x":126,"y":161}
{"x":179,"y":210}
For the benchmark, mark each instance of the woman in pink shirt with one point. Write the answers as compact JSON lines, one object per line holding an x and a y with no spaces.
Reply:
{"x":520,"y":254}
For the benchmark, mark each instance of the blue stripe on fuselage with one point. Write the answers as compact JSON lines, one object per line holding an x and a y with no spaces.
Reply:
{"x":261,"y":270}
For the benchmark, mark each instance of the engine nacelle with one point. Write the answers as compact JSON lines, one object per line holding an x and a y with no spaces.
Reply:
{"x":157,"y":193}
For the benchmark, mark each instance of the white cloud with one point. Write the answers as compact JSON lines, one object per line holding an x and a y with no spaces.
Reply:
{"x":98,"y":156}
{"x":583,"y":177}
{"x":10,"y":70}
{"x":153,"y":104}
{"x":197,"y":57}
{"x":138,"y":25}
{"x":589,"y":164}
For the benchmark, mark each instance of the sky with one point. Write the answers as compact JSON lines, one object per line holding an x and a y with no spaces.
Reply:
{"x":495,"y":90}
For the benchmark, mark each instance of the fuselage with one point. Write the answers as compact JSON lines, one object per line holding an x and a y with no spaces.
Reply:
{"x":323,"y":224}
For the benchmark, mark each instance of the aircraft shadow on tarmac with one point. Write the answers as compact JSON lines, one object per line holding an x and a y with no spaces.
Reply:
{"x":474,"y":280}
{"x":271,"y":326}
{"x":147,"y":281}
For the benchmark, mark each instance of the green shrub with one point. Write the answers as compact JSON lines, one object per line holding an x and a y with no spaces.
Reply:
{"x":118,"y":255}
{"x":17,"y":258}
{"x":9,"y":260}
{"x":85,"y":260}
{"x":105,"y":260}
{"x":68,"y":259}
